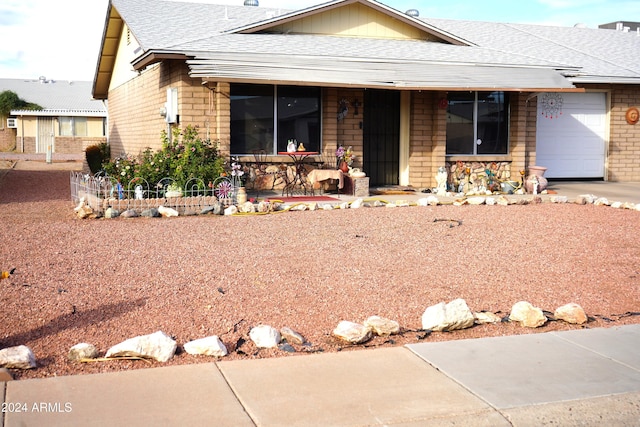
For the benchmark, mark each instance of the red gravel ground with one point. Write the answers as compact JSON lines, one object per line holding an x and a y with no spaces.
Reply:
{"x":102,"y":281}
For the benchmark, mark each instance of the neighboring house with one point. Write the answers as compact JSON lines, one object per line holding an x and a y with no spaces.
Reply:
{"x":410,"y":94}
{"x":70,"y":119}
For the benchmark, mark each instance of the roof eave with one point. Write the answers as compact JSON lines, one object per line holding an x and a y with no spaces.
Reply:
{"x":108,"y":49}
{"x":152,"y":57}
{"x":605,"y":80}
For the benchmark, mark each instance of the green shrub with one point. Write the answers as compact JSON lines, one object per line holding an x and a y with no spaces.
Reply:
{"x":183,"y":157}
{"x":97,"y":155}
{"x":93,"y":154}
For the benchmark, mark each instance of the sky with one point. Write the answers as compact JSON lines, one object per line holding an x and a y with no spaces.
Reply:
{"x":60,"y":39}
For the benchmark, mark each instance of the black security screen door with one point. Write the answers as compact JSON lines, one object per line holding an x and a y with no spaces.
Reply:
{"x":381,"y":132}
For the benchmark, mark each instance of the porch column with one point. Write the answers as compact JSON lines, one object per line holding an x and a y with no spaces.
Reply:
{"x":405,"y":132}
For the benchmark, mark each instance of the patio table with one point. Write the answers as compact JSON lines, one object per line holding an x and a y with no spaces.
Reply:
{"x":300,"y":173}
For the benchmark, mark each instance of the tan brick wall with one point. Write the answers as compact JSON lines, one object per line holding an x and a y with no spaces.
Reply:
{"x":624,"y":138}
{"x":29,"y":144}
{"x":522,"y":133}
{"x":7,"y":137}
{"x":349,"y":129}
{"x":425,"y":141}
{"x":74,"y":145}
{"x":135,"y":123}
{"x":134,"y":108}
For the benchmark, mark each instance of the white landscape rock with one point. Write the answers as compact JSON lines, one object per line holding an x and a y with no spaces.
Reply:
{"x":617,"y":205}
{"x":430,"y":200}
{"x":167,"y":212}
{"x":586,"y":199}
{"x":247,"y":207}
{"x":484,"y":317}
{"x":476,"y":200}
{"x":19,"y":357}
{"x":352,"y":332}
{"x":83,"y":351}
{"x":382,"y":326}
{"x":231,"y":210}
{"x":292,"y":336}
{"x":502,"y":201}
{"x":158,"y":346}
{"x":209,"y":346}
{"x":357,"y":203}
{"x":448,"y":317}
{"x":571,"y":313}
{"x":559,"y":199}
{"x":265,"y":336}
{"x":528,"y":315}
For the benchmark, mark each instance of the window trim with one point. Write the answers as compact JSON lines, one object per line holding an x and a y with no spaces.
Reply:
{"x":507,"y":108}
{"x":275,"y":110}
{"x":72,"y":121}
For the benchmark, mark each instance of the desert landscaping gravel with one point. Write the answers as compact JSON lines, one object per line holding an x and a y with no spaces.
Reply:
{"x":102,"y":281}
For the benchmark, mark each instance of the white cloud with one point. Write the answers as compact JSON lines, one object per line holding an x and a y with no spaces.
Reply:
{"x":57,"y":39}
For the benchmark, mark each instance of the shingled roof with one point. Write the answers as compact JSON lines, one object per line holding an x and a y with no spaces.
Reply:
{"x":234,"y":43}
{"x":602,"y":55}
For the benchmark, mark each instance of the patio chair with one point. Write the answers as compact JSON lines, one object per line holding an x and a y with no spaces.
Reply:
{"x":263,"y":169}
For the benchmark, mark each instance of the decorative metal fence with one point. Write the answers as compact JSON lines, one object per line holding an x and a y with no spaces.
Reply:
{"x":101,"y":192}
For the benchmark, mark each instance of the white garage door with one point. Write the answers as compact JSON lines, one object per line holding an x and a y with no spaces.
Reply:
{"x":571,"y":130}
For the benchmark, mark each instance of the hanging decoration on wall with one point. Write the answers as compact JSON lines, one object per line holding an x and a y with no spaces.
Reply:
{"x":443,"y":103}
{"x":632,"y":116}
{"x":551,"y":105}
{"x":343,"y":110}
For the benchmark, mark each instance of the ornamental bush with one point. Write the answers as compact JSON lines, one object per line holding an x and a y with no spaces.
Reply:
{"x":182,"y":158}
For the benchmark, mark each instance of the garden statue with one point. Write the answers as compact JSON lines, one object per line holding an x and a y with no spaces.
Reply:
{"x":441,"y":180}
{"x":138,"y":192}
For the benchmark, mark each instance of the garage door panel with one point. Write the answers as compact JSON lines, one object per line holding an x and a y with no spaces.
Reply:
{"x":566,"y":167}
{"x":571,"y":144}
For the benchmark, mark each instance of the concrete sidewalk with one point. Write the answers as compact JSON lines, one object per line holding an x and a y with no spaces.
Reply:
{"x":578,"y":377}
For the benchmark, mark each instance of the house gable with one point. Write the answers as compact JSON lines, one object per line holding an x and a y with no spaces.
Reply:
{"x":352,"y":18}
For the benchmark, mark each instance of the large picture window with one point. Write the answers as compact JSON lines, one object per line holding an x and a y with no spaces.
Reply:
{"x":265,"y":117}
{"x":72,"y":126}
{"x":477,"y":123}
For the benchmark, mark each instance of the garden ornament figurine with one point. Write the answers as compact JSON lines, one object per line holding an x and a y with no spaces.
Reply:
{"x":441,"y":180}
{"x":138,"y":192}
{"x":534,"y":184}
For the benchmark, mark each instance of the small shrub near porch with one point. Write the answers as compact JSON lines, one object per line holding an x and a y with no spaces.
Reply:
{"x":183,"y":157}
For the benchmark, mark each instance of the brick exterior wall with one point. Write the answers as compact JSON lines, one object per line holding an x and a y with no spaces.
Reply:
{"x":330,"y":123}
{"x":7,"y":138}
{"x":135,"y":123}
{"x":74,"y":145}
{"x":624,"y":138}
{"x":426,"y":138}
{"x":349,"y":131}
{"x":134,"y":108}
{"x":522,"y":136}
